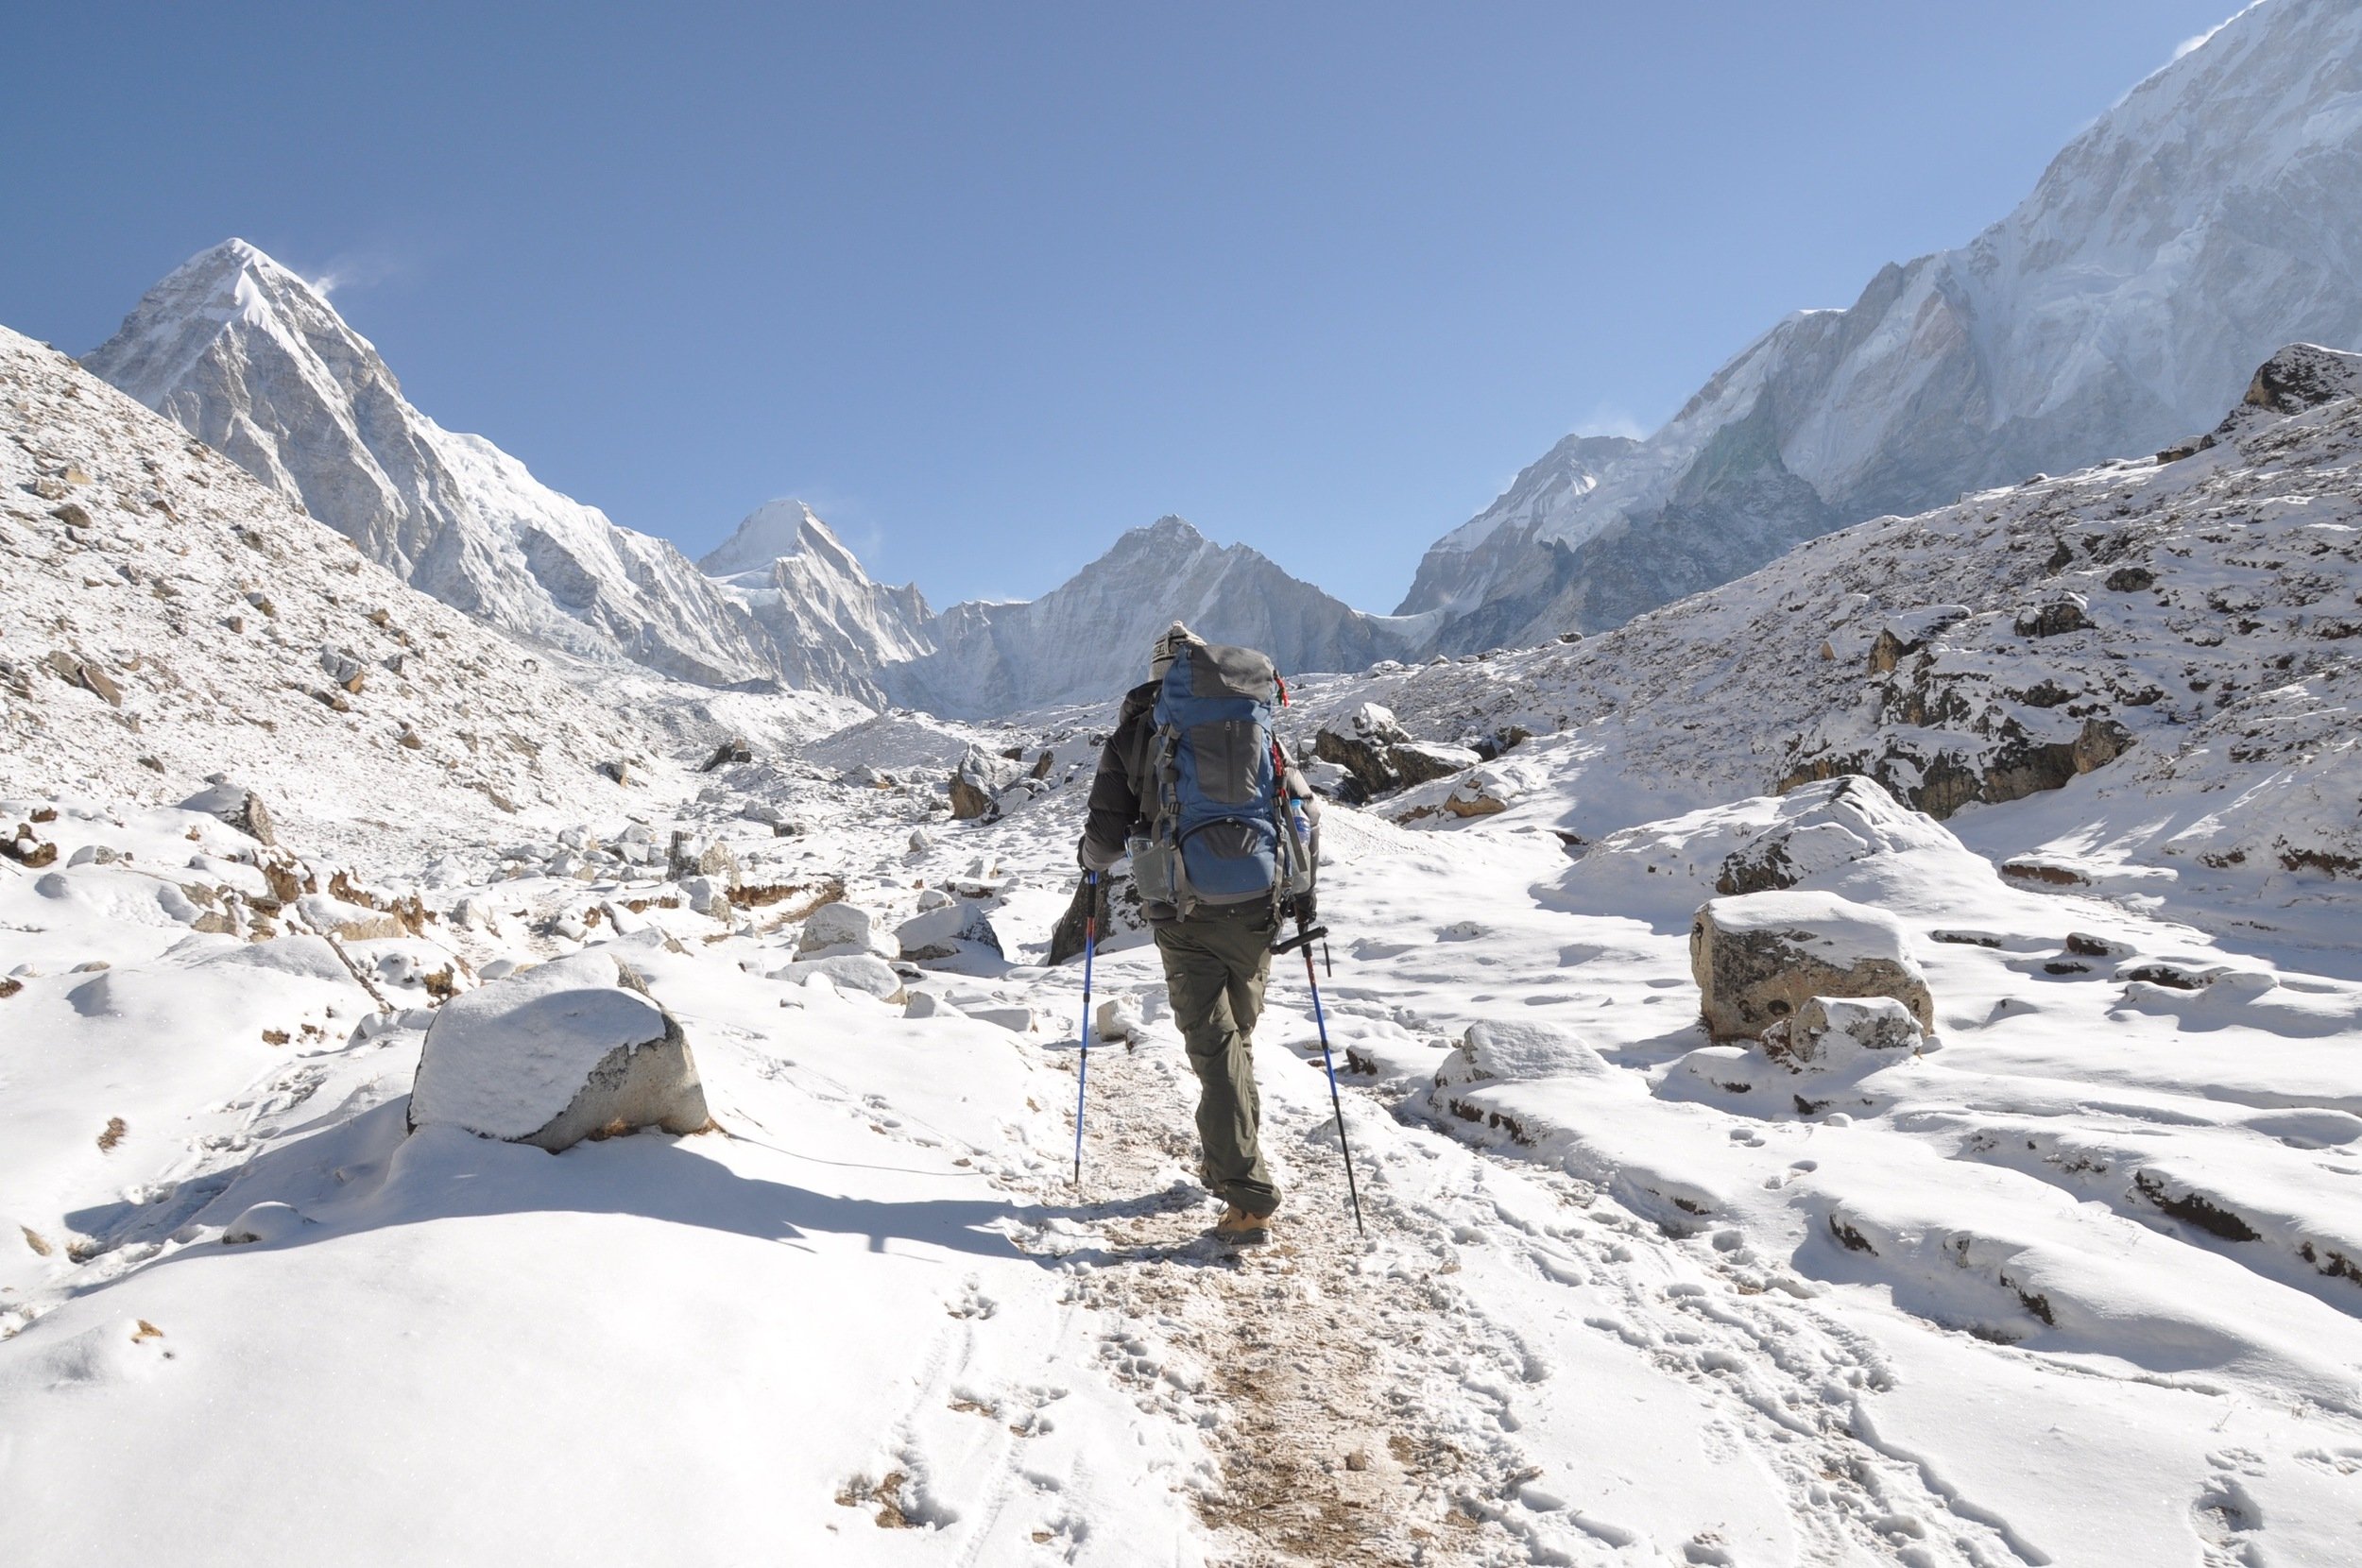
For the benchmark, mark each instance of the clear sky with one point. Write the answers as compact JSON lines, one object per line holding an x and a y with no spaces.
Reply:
{"x":988,"y":283}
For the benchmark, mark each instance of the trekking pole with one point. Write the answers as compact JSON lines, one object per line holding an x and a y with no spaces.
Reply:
{"x":1305,"y":939}
{"x":1082,"y":1078}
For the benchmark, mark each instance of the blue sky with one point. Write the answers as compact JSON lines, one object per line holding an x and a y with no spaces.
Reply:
{"x":990,"y":283}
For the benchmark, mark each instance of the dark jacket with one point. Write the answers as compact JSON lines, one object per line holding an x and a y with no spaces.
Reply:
{"x":1121,"y":789}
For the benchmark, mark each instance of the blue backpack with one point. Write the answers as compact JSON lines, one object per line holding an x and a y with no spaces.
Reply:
{"x":1219,"y":832}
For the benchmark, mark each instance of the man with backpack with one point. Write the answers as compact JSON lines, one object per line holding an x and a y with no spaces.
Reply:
{"x":1195,"y":787}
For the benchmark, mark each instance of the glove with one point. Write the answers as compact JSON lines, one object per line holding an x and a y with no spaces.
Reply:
{"x":1305,"y":909}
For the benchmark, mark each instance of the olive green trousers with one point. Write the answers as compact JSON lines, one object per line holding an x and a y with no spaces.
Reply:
{"x":1215,"y":967}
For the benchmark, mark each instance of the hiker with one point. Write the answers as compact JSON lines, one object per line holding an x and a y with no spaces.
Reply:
{"x":1222,"y":832}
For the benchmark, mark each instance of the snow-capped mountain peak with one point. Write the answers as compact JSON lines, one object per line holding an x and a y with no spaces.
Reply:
{"x":255,"y":362}
{"x":2201,"y":222}
{"x":776,"y":528}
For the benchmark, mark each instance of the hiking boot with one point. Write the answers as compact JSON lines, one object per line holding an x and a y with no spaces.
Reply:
{"x":1237,"y":1225}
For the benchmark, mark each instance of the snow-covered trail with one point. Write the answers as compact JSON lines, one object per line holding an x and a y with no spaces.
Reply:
{"x":1604,"y":1314}
{"x":1508,"y":1370}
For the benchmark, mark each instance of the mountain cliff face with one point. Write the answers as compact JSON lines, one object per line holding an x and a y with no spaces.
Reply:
{"x":2204,"y":220}
{"x":1090,"y":638}
{"x":251,"y":359}
{"x":832,"y":627}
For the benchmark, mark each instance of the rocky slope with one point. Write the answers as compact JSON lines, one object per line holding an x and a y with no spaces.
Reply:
{"x":252,"y":360}
{"x":2174,"y":638}
{"x":2202,"y":221}
{"x":165,"y":618}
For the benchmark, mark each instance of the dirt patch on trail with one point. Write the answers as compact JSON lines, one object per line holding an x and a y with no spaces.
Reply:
{"x":1322,"y":1356}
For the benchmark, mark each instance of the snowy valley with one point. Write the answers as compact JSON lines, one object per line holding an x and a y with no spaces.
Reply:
{"x":519,"y":1047}
{"x":2066,"y":1274}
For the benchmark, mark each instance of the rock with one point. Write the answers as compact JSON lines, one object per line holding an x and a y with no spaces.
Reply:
{"x":2302,"y":376}
{"x":967,"y":801}
{"x":1367,"y":762}
{"x":977,"y":781}
{"x":235,"y":805}
{"x":925,"y":1004}
{"x":863,"y":973}
{"x":935,"y":898}
{"x":1825,"y":824}
{"x":1759,"y":957}
{"x":89,"y":676}
{"x":557,"y":1053}
{"x":921,"y":841}
{"x":343,"y":667}
{"x":2131,"y":579}
{"x":690,"y":856}
{"x":1834,"y":1033}
{"x":839,"y":927}
{"x":931,"y":933}
{"x":708,"y":896}
{"x":264,"y":1222}
{"x":735,"y":749}
{"x":1376,"y":723}
{"x":1517,"y":1052}
{"x":982,"y":879}
{"x":348,"y":922}
{"x":616,"y":772}
{"x":2055,"y":618}
{"x":1118,"y":1018}
{"x":27,"y":850}
{"x":1419,"y":762}
{"x":1016,"y":1019}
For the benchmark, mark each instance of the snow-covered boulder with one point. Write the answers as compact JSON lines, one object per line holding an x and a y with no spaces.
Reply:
{"x":1118,"y":1018}
{"x":269,"y":1221}
{"x":1837,"y":1035}
{"x":862,"y":973}
{"x":557,"y":1053}
{"x":1760,"y":957}
{"x":1515,"y":1051}
{"x":235,"y":805}
{"x":1819,"y":827}
{"x":840,"y":928}
{"x":931,"y":933}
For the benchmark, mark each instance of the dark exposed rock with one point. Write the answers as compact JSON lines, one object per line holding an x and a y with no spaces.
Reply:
{"x":735,"y":749}
{"x":2054,"y":619}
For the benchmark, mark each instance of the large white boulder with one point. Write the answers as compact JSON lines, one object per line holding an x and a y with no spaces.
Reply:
{"x":1760,"y":957}
{"x":839,"y":927}
{"x":859,"y":973}
{"x":551,"y":1055}
{"x":931,"y":933}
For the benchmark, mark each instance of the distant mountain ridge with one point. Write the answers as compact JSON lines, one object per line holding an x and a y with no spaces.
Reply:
{"x":2207,"y":218}
{"x":1090,"y":638}
{"x":255,"y":362}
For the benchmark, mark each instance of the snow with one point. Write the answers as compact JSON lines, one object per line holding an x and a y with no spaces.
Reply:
{"x":2072,"y":1276}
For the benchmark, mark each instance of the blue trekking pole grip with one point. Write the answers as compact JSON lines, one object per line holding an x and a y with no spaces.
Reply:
{"x":1083,"y":1076}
